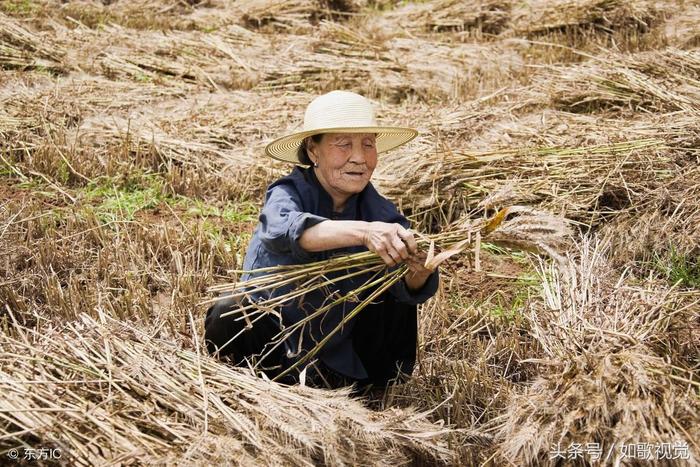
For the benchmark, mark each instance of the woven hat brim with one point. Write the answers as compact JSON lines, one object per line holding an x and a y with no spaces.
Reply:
{"x":286,"y":148}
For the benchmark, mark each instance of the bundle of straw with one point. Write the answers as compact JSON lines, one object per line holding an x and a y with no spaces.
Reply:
{"x":397,"y":67}
{"x":160,"y":15}
{"x":141,"y":134}
{"x":228,"y":58}
{"x":294,"y":15}
{"x":555,"y":177}
{"x":530,"y":229}
{"x":650,"y":81}
{"x":614,"y":370}
{"x":682,"y":29}
{"x":104,"y":391}
{"x":667,"y":223}
{"x":488,"y":16}
{"x":543,"y":16}
{"x":20,"y":48}
{"x":209,"y":130}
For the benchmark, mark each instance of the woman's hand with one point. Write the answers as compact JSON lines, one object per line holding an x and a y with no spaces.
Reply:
{"x":392,"y":242}
{"x":418,"y":272}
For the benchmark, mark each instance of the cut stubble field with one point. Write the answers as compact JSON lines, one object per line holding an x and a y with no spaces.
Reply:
{"x":132,"y":173}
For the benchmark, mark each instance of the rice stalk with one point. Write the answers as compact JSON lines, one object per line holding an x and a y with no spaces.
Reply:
{"x":294,"y":15}
{"x":541,"y":17}
{"x":125,"y":395}
{"x":681,"y":28}
{"x":669,"y":220}
{"x":611,"y":373}
{"x":659,"y":81}
{"x":23,"y":49}
{"x":488,"y":17}
{"x":556,"y":178}
{"x":530,"y":229}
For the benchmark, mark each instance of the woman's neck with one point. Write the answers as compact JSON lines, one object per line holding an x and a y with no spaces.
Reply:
{"x":339,"y":199}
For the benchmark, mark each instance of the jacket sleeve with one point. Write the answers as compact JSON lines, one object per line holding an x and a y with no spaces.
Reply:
{"x":401,"y":292}
{"x":283,"y":221}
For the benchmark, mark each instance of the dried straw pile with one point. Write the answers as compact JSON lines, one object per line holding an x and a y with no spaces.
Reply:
{"x":23,"y":49}
{"x":659,"y":81}
{"x":667,"y":224}
{"x":135,"y":14}
{"x":294,"y":15}
{"x":545,"y":16}
{"x":450,"y":182}
{"x":682,"y":28}
{"x":104,"y":391}
{"x":615,"y":367}
{"x":488,"y":17}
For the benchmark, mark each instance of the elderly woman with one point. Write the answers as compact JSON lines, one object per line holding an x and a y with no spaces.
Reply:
{"x":312,"y":214}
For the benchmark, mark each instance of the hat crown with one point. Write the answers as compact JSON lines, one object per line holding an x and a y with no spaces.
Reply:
{"x":339,"y":109}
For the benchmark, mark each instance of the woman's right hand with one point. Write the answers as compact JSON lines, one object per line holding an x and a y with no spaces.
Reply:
{"x":392,"y":242}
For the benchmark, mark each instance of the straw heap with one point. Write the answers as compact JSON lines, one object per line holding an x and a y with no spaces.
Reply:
{"x":614,"y":370}
{"x":544,"y":16}
{"x":662,"y":81}
{"x":488,"y":17}
{"x":446,"y":184}
{"x":103,"y":391}
{"x":20,"y":48}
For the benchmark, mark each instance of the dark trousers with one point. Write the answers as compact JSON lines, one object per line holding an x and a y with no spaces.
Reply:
{"x":384,"y":338}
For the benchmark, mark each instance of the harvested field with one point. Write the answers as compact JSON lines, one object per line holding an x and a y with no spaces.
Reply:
{"x":557,"y":168}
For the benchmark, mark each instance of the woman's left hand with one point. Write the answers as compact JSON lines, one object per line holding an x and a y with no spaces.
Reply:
{"x":418,"y":272}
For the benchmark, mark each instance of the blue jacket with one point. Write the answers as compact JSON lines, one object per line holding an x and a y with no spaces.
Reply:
{"x":293,"y":204}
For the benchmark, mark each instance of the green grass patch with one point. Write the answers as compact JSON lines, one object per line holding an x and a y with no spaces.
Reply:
{"x":520,"y":257}
{"x":208,"y":29}
{"x":509,"y":305}
{"x":239,"y":212}
{"x":19,"y":7}
{"x":506,"y":303}
{"x":678,"y":268}
{"x":121,"y":198}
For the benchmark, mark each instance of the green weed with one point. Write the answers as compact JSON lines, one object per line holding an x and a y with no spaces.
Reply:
{"x":519,"y":257}
{"x":19,"y":7}
{"x":510,"y":305}
{"x":122,"y":198}
{"x":244,"y":212}
{"x":678,"y":268}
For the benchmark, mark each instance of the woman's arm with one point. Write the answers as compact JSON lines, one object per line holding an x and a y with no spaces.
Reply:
{"x":418,"y":274}
{"x":329,"y":235}
{"x":391,"y":241}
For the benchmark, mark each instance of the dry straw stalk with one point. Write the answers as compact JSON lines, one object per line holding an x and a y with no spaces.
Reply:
{"x":530,"y":229}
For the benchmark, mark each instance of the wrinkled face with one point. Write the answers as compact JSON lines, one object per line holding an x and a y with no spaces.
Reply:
{"x":345,"y":161}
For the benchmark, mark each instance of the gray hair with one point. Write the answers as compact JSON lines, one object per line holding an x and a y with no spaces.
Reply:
{"x":302,"y":154}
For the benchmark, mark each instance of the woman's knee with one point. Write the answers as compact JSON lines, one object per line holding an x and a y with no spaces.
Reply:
{"x":218,"y":330}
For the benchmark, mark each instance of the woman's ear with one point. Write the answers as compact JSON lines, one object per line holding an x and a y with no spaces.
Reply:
{"x":312,"y":151}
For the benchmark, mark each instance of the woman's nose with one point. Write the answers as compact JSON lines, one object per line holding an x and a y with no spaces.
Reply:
{"x":357,"y":154}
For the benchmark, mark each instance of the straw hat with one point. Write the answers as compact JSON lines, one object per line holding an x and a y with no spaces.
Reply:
{"x":338,"y":112}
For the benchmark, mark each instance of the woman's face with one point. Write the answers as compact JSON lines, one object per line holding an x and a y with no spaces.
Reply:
{"x":345,"y":161}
